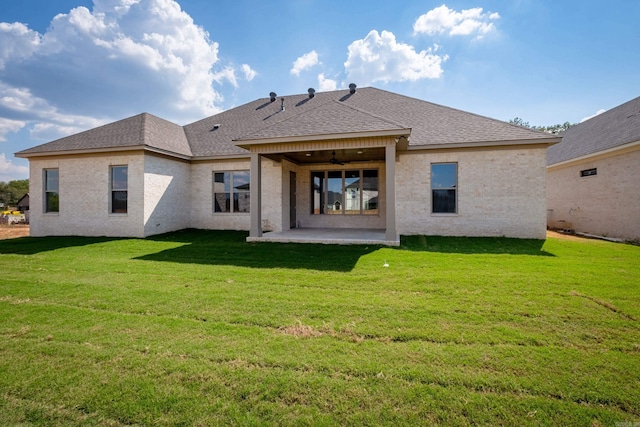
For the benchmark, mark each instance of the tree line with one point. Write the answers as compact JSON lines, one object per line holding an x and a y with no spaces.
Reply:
{"x":12,"y":191}
{"x":554,"y":129}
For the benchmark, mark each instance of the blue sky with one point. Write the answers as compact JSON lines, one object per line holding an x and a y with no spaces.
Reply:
{"x":70,"y":65}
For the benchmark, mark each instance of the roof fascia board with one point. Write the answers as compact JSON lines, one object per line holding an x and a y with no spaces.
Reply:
{"x":80,"y":151}
{"x":323,"y":137}
{"x":221,"y":157}
{"x":540,"y":141}
{"x":167,"y":153}
{"x":620,"y":149}
{"x":102,"y":151}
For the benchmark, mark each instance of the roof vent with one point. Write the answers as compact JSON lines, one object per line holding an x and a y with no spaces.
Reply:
{"x":352,"y":88}
{"x":216,"y":126}
{"x":273,"y":95}
{"x":281,"y":104}
{"x":312,"y":92}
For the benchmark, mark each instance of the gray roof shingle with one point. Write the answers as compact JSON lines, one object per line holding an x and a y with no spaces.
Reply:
{"x":141,"y":130}
{"x":335,"y":112}
{"x":613,"y":128}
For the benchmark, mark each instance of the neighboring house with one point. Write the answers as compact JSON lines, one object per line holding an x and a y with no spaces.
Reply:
{"x":23,"y":203}
{"x":593,"y":175}
{"x":349,"y":159}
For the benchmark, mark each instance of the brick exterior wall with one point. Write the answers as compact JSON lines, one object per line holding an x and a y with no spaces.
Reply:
{"x":202,"y":214}
{"x":84,"y":197}
{"x":606,"y":204}
{"x":501,"y":192}
{"x":167,"y":201}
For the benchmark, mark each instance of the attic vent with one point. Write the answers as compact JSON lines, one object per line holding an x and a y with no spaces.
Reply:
{"x":352,"y":88}
{"x":312,"y":92}
{"x":216,"y":126}
{"x":273,"y":96}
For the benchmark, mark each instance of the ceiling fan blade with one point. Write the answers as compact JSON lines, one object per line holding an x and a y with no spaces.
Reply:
{"x":333,"y":159}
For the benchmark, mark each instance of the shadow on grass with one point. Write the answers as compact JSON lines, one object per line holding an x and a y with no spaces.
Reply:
{"x":473,"y":245}
{"x":36,"y":245}
{"x":230,"y":248}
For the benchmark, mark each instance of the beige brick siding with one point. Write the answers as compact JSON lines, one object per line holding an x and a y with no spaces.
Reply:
{"x":167,"y":201}
{"x":202,"y":214}
{"x":607,"y":204}
{"x":84,"y":197}
{"x":501,"y":192}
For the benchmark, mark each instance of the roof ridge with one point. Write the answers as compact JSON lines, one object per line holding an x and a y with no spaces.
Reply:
{"x":293,"y":115}
{"x":360,"y":110}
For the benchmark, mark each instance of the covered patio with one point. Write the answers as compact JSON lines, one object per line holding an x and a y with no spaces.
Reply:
{"x":329,"y":236}
{"x":309,"y":152}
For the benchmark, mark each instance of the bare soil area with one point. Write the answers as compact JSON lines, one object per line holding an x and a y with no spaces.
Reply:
{"x":564,"y":236}
{"x":13,"y":231}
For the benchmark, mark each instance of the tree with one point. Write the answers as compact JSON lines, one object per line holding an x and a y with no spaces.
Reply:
{"x":554,"y":129}
{"x":12,"y":191}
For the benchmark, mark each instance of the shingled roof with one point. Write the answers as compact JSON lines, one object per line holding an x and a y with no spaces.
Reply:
{"x":141,"y":131}
{"x":613,"y":128}
{"x":327,"y":113}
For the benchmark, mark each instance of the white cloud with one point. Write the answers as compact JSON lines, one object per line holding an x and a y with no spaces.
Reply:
{"x":8,"y":125}
{"x":600,"y":111}
{"x":380,"y":58}
{"x":10,"y":171}
{"x":305,"y":62}
{"x":325,"y":84}
{"x":17,"y":41}
{"x":249,"y":73}
{"x":18,"y":106}
{"x":227,"y":74}
{"x":444,"y":20}
{"x":120,"y":58}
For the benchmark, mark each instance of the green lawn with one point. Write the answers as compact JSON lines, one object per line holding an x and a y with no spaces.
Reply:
{"x":201,"y":328}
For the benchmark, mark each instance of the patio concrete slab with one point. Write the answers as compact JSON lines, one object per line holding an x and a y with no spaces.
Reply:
{"x":328,"y":236}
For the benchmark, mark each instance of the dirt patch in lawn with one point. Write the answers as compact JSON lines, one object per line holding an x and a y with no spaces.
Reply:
{"x":564,"y":236}
{"x":13,"y":231}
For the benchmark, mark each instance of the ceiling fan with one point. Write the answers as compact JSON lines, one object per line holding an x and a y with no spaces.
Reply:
{"x":335,"y":161}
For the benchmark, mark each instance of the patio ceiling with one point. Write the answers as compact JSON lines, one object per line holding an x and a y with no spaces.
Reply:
{"x":346,"y":156}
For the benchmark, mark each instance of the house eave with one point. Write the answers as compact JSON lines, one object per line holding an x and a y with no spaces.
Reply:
{"x":480,"y":144}
{"x":621,"y":149}
{"x":248,"y":142}
{"x":221,"y":157}
{"x":102,"y":150}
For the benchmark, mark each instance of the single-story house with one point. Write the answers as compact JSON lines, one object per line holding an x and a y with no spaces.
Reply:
{"x":23,"y":203}
{"x":593,"y":175}
{"x":346,"y":160}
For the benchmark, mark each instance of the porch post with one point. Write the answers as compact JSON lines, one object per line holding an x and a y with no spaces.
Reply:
{"x":255,"y":196}
{"x":390,"y":174}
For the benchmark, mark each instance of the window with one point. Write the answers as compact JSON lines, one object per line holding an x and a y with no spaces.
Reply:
{"x":444,"y":184}
{"x":589,"y":172}
{"x":51,"y":188}
{"x":228,"y":187}
{"x":349,"y":192}
{"x":119,"y":187}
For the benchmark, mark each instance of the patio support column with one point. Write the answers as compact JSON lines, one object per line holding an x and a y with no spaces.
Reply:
{"x":255,"y":195}
{"x":390,"y":188}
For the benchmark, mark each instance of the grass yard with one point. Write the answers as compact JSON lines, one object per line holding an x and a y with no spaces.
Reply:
{"x":201,"y":328}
